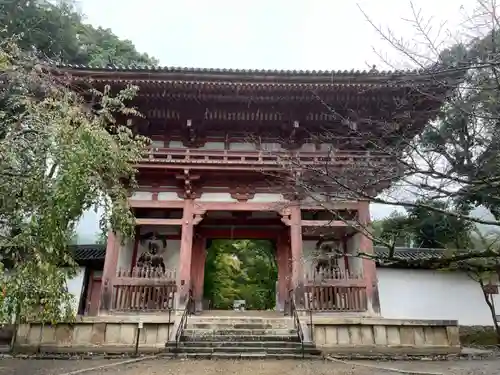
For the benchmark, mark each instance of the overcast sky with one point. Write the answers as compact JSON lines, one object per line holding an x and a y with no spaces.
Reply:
{"x":266,"y":34}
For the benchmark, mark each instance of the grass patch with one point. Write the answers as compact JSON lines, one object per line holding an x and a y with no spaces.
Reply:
{"x":478,"y":336}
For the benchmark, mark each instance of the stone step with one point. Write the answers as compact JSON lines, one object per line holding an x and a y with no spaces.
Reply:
{"x":233,"y":356}
{"x":241,"y":349}
{"x":240,"y":320}
{"x":205,"y":325}
{"x":238,"y":332}
{"x":243,"y":344}
{"x":242,"y":338}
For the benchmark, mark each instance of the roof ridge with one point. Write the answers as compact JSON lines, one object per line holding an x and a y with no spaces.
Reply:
{"x":412,"y":248}
{"x":179,"y":69}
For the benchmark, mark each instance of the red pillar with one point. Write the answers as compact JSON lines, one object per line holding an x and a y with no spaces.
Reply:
{"x":369,"y":267}
{"x":198,"y":271}
{"x":283,"y":256}
{"x":297,"y":277}
{"x":109,"y":272}
{"x":184,"y":284}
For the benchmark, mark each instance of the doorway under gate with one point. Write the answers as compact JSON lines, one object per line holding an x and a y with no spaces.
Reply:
{"x":240,"y":273}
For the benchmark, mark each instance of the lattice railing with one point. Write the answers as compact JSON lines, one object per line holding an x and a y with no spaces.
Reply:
{"x":144,"y":289}
{"x":335,"y":289}
{"x":335,"y":298}
{"x":194,"y":156}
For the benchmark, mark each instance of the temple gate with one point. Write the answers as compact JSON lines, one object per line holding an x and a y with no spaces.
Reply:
{"x":220,"y":166}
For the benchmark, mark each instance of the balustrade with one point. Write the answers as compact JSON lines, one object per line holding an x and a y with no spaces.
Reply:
{"x":144,"y":289}
{"x":263,"y":158}
{"x":334,"y":289}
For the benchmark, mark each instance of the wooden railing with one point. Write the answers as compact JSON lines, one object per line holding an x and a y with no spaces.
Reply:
{"x":335,"y":298}
{"x":263,"y":158}
{"x":336,"y":290}
{"x":144,"y":289}
{"x":188,"y":310}
{"x":296,"y":320}
{"x":334,"y":276}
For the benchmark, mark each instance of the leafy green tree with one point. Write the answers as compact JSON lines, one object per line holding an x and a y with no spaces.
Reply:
{"x":102,"y":237}
{"x":57,"y":160}
{"x":55,"y":31}
{"x":425,"y":228}
{"x":433,"y":229}
{"x":394,"y":230}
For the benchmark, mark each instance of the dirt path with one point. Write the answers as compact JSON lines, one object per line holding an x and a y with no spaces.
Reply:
{"x":245,"y":367}
{"x":297,"y":367}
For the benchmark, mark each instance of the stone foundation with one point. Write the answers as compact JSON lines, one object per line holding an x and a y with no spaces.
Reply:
{"x":376,"y":336}
{"x":103,"y":334}
{"x":332,"y":335}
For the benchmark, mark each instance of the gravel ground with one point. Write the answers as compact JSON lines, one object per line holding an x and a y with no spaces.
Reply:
{"x":297,"y":367}
{"x":12,"y":366}
{"x":246,"y":367}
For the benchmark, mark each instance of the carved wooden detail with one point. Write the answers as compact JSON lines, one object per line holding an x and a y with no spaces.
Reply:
{"x":187,"y":179}
{"x":286,"y":216}
{"x":294,"y":196}
{"x":192,"y":194}
{"x":198,"y":217}
{"x":242,"y":193}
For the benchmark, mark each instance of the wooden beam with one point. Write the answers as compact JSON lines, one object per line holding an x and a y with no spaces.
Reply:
{"x":328,"y":223}
{"x":238,"y":206}
{"x":136,"y":203}
{"x":238,"y":234}
{"x":241,"y":206}
{"x":150,"y":221}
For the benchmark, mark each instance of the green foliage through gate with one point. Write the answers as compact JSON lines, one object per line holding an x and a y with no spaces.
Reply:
{"x":241,"y":270}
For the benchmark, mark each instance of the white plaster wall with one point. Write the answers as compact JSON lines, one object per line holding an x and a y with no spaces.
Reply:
{"x":428,"y":294}
{"x":213,"y":146}
{"x":142,"y":195}
{"x":125,"y":254}
{"x":158,"y":144}
{"x":216,"y":197}
{"x":309,"y":253}
{"x":308,"y":147}
{"x":240,"y":146}
{"x":355,"y":264}
{"x":169,"y":196}
{"x":267,"y":197}
{"x":176,"y":144}
{"x":75,"y":287}
{"x":268,"y":147}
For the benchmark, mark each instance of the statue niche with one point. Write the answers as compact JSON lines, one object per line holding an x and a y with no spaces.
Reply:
{"x":327,"y":260}
{"x":326,"y":268}
{"x":152,"y":257}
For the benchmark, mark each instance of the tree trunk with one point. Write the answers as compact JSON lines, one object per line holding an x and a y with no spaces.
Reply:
{"x":489,"y":301}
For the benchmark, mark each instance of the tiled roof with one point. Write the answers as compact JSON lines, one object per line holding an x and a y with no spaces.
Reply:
{"x":98,"y":252}
{"x":262,"y":77}
{"x":409,"y":254}
{"x":177,"y":69}
{"x":89,"y":252}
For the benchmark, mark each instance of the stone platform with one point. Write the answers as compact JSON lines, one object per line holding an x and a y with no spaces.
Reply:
{"x":332,"y":334}
{"x":112,"y":334}
{"x":378,"y":336}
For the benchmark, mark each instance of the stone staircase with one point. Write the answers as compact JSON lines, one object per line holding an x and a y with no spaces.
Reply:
{"x":241,"y":337}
